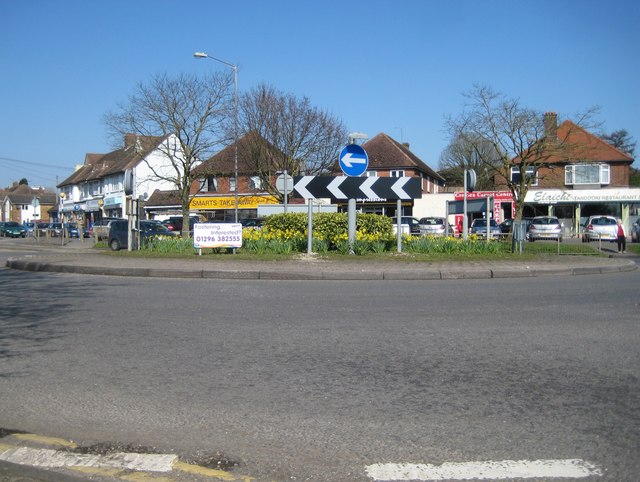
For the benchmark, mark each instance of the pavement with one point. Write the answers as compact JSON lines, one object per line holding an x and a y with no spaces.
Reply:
{"x":81,"y":257}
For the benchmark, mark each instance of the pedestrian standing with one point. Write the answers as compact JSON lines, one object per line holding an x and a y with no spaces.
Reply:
{"x":622,"y":238}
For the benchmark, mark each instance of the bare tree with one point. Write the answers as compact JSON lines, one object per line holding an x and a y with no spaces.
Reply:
{"x":460,"y":155}
{"x":287,"y":133}
{"x":196,"y":110}
{"x":519,"y":140}
{"x":621,"y":139}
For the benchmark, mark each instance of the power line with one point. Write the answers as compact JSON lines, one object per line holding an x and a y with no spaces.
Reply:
{"x":35,"y":163}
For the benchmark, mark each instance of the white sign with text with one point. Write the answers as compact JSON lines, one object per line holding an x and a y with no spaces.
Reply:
{"x":217,"y":235}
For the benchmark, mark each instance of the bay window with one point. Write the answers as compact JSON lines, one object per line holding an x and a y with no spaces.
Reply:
{"x":587,"y":174}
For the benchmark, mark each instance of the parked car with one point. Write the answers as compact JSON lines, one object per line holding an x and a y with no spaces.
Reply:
{"x":545,"y":227}
{"x":119,"y":233}
{"x":12,"y":229}
{"x":600,"y":227}
{"x":506,"y":226}
{"x":100,"y":228}
{"x":55,"y":229}
{"x":175,"y":223}
{"x":479,"y":227}
{"x":635,"y":231}
{"x":252,"y":222}
{"x":73,"y":230}
{"x":433,"y":226}
{"x":30,"y":227}
{"x":414,"y":223}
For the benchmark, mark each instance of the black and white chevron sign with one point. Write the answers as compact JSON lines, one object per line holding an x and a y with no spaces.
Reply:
{"x":348,"y":187}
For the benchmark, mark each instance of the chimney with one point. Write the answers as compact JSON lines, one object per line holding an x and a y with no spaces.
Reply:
{"x":406,"y":144}
{"x":551,"y":126}
{"x":129,"y":140}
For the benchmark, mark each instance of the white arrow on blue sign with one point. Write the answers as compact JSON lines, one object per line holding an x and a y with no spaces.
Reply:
{"x":354,"y":160}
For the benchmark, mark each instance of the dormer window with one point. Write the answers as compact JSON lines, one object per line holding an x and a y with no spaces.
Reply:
{"x":580,"y":174}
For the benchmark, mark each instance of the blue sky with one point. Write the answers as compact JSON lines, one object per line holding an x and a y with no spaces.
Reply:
{"x":398,"y":67}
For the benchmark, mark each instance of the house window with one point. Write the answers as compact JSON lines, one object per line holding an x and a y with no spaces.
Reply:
{"x":254,"y":182}
{"x":212,"y":184}
{"x":232,"y":184}
{"x":530,"y":173}
{"x":587,"y":174}
{"x":370,"y":174}
{"x":397,"y":173}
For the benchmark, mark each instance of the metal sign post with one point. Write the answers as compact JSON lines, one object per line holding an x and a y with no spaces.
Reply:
{"x":399,"y":225}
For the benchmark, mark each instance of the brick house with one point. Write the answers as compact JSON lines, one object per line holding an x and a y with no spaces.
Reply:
{"x":216,"y":197}
{"x":23,"y":204}
{"x":390,"y":158}
{"x":582,"y":175}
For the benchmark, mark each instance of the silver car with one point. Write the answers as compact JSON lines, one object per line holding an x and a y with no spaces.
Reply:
{"x":432,"y":226}
{"x":545,"y":227}
{"x":600,"y":227}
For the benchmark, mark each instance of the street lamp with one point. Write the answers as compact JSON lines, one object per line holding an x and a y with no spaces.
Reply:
{"x":234,"y":67}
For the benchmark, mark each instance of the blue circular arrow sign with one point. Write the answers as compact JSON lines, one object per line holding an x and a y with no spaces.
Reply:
{"x":353,"y":160}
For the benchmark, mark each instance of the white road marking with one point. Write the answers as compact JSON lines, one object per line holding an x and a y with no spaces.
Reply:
{"x":494,"y":470}
{"x":55,"y":458}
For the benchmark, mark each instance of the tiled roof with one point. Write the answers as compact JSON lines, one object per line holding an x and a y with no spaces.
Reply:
{"x":584,"y":146}
{"x":164,"y":198}
{"x":97,"y":166}
{"x":222,"y":163}
{"x":23,"y":194}
{"x":575,"y":144}
{"x":386,"y":153}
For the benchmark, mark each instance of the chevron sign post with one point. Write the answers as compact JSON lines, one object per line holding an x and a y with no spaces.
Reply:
{"x":347,"y":187}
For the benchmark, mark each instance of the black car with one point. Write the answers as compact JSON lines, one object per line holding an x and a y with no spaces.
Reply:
{"x":507,"y":225}
{"x":252,"y":222}
{"x":119,"y":233}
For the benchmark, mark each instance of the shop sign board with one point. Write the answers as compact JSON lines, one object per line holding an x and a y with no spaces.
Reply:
{"x":583,"y":196}
{"x":229,"y":202}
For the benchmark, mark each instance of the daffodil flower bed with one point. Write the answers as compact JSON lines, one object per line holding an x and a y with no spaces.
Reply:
{"x":287,"y":233}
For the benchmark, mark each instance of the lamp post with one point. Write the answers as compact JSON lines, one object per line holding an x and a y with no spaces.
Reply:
{"x":234,"y":67}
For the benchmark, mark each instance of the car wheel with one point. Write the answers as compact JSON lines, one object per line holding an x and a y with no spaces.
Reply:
{"x":560,"y":239}
{"x":114,"y":245}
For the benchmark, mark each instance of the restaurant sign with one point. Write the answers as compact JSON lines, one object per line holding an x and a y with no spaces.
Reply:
{"x":583,"y":196}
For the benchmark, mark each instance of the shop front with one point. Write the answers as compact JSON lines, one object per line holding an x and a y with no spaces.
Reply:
{"x":574,"y":207}
{"x":114,"y":206}
{"x":571,"y":207}
{"x":503,"y":206}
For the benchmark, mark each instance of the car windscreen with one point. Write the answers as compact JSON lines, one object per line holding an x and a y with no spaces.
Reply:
{"x":545,"y":221}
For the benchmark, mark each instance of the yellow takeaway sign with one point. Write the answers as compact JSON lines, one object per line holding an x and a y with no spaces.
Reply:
{"x":229,"y":202}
